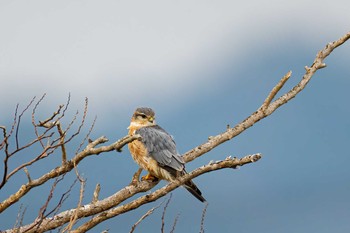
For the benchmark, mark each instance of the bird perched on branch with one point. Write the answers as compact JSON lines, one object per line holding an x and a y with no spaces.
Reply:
{"x":156,"y":152}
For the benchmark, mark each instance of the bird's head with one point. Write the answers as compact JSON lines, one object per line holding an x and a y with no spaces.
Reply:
{"x":143,"y":117}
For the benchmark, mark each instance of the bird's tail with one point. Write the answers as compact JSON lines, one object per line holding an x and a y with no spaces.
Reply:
{"x":194,"y":190}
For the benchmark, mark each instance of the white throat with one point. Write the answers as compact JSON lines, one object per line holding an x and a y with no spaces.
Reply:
{"x":134,"y":124}
{"x":138,"y":125}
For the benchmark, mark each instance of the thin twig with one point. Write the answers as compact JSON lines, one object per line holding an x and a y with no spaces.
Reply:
{"x":43,"y":209}
{"x":103,"y":207}
{"x":66,"y":107}
{"x":148,"y":213}
{"x":275,"y":90}
{"x":42,"y":155}
{"x":267,"y":108}
{"x":87,"y":135}
{"x":4,"y":135}
{"x":88,"y":151}
{"x":136,"y":177}
{"x":7,"y":153}
{"x":164,"y":211}
{"x":54,"y":211}
{"x":75,"y":217}
{"x":62,"y":144}
{"x":203,"y":217}
{"x":19,"y":120}
{"x":14,"y":121}
{"x":81,"y":123}
{"x":96,"y":193}
{"x":227,"y":163}
{"x":33,"y":119}
{"x":20,"y":216}
{"x":175,"y":222}
{"x":47,"y":123}
{"x":27,"y":174}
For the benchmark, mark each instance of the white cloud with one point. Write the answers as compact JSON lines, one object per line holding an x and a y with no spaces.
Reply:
{"x":104,"y":48}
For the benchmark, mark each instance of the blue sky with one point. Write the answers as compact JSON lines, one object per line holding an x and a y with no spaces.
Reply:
{"x":200,"y":65}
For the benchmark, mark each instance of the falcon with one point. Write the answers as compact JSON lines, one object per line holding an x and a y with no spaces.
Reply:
{"x":156,"y":151}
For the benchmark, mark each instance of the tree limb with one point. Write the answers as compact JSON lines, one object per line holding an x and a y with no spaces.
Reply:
{"x":267,"y":107}
{"x":109,"y":207}
{"x":227,"y":163}
{"x":103,"y":207}
{"x":67,"y":167}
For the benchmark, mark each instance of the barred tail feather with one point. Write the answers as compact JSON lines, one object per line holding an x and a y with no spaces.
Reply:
{"x":171,"y":173}
{"x":194,"y":190}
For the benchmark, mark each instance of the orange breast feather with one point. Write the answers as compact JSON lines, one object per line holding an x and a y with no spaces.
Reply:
{"x":140,"y":155}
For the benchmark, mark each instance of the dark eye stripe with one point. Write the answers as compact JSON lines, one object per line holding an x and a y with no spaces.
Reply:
{"x":142,"y":115}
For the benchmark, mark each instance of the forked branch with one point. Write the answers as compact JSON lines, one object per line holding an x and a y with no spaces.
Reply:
{"x":90,"y":149}
{"x":268,"y":107}
{"x":101,"y":210}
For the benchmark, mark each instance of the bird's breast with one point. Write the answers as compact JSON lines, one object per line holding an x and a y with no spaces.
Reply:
{"x":140,"y":155}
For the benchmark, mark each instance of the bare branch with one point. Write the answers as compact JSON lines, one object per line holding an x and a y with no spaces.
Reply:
{"x":164,"y":211}
{"x":63,"y":147}
{"x":89,"y":150}
{"x":87,"y":136}
{"x":109,"y":207}
{"x":33,"y":120}
{"x":267,"y":108}
{"x":203,"y":217}
{"x":104,"y":206}
{"x":148,"y":213}
{"x":227,"y":163}
{"x":19,"y":120}
{"x":39,"y":220}
{"x":27,"y":174}
{"x":42,"y":155}
{"x":14,"y":121}
{"x":20,"y":215}
{"x":48,"y":123}
{"x":3,"y":128}
{"x":174,"y":224}
{"x":66,"y":107}
{"x":7,"y":156}
{"x":74,"y":217}
{"x":317,"y":64}
{"x":81,"y":123}
{"x":43,"y":209}
{"x":6,"y":143}
{"x":41,"y":137}
{"x":275,"y":90}
{"x":96,"y":194}
{"x":136,"y":177}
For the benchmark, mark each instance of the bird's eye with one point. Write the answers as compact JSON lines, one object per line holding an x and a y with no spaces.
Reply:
{"x":143,"y":116}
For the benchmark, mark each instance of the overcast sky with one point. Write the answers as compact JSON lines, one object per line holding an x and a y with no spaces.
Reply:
{"x":201,"y":65}
{"x":89,"y":47}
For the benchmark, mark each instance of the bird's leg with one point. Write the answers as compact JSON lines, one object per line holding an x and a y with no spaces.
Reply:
{"x":136,"y":177}
{"x":149,"y":177}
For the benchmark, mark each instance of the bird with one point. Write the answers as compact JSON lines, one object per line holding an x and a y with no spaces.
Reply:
{"x":156,"y":151}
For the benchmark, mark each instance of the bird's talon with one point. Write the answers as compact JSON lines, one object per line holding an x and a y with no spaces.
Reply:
{"x":149,"y":177}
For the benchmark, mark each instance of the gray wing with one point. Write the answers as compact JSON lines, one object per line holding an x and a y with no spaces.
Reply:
{"x":161,"y":146}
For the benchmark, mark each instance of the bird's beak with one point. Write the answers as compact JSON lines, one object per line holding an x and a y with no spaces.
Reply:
{"x":151,"y":119}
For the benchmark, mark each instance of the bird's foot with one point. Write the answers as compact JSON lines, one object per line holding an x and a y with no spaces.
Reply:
{"x":149,"y":177}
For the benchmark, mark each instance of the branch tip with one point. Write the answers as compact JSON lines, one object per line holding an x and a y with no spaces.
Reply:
{"x":27,"y":174}
{"x":96,"y":193}
{"x":274,"y":91}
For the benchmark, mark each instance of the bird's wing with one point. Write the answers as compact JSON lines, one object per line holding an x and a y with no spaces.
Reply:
{"x":161,"y":146}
